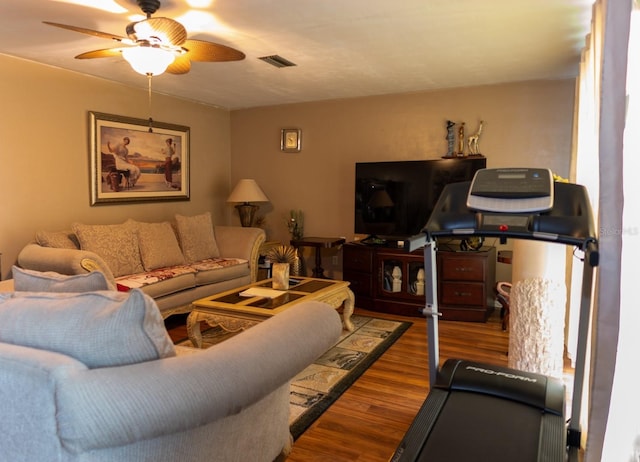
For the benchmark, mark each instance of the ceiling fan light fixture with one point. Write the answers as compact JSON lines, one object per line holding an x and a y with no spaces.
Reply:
{"x":148,"y":60}
{"x":156,"y":45}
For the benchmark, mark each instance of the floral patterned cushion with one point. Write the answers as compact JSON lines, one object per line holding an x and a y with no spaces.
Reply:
{"x":135,"y":281}
{"x":217,"y":263}
{"x":125,"y":283}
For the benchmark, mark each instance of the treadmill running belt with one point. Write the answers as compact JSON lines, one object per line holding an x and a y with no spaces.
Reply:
{"x":483,"y":428}
{"x":479,"y":412}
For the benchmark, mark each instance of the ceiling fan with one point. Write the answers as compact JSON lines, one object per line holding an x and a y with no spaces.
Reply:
{"x":155,"y":45}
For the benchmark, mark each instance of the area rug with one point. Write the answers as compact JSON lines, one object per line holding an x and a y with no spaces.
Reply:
{"x":314,"y":389}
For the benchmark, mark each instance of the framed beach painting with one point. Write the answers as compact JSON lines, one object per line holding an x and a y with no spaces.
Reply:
{"x":132,"y":161}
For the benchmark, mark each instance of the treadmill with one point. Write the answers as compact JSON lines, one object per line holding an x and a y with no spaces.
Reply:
{"x":482,"y":412}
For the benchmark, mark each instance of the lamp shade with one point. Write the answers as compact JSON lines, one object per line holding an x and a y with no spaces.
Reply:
{"x":247,"y":191}
{"x":380,"y":198}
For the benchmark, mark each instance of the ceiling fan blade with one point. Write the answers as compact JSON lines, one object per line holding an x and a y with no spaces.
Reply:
{"x":201,"y":50}
{"x":181,"y":65}
{"x":167,"y":30}
{"x":83,"y":30}
{"x":106,"y":53}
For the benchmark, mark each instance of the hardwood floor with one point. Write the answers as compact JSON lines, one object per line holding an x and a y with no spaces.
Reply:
{"x":369,"y":420}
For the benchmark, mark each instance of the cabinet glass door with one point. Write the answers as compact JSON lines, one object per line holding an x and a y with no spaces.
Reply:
{"x":392,"y":275}
{"x":402,"y":277}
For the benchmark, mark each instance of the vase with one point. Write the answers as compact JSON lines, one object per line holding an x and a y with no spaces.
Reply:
{"x":297,"y":233}
{"x":280,"y":273}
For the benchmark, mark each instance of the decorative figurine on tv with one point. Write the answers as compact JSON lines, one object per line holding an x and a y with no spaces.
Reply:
{"x":451,"y":138}
{"x":460,"y":152}
{"x":473,"y":140}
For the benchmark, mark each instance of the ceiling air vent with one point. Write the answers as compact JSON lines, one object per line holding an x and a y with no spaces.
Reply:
{"x":277,"y":61}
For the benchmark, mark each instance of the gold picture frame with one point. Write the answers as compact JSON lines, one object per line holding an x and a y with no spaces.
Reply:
{"x":132,"y":162}
{"x":291,"y":140}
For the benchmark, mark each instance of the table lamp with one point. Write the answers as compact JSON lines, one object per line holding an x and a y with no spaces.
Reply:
{"x":247,"y":191}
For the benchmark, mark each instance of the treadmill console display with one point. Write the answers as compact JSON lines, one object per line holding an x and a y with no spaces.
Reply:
{"x":514,"y":190}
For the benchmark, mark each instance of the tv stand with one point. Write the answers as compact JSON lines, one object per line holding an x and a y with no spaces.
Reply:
{"x":466,"y":280}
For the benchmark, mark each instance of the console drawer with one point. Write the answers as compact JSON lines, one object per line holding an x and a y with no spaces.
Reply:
{"x":465,"y":284}
{"x":463,"y":293}
{"x":462,"y":268}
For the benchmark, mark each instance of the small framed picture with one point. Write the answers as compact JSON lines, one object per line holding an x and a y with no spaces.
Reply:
{"x":291,"y":140}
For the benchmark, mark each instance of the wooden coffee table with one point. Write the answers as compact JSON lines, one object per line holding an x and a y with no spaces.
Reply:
{"x":234,"y":312}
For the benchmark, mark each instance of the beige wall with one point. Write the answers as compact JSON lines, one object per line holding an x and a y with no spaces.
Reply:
{"x":44,"y":179}
{"x":526,"y":124}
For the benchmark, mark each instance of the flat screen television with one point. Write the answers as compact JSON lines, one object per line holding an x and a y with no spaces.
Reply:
{"x":393,"y":200}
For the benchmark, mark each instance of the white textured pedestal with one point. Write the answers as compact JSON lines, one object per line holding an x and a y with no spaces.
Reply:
{"x":537,"y":308}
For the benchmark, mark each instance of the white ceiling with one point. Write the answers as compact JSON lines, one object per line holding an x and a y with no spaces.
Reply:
{"x":342,"y":48}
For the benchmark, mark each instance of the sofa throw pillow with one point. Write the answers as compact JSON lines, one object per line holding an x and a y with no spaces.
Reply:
{"x":49,"y":281}
{"x":158,"y":245}
{"x":57,"y":239}
{"x":196,"y":237}
{"x":116,"y":244}
{"x":99,"y":329}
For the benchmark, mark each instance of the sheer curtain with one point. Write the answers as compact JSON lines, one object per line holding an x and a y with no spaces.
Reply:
{"x":611,"y":424}
{"x":585,"y":171}
{"x":622,"y":436}
{"x":585,"y":149}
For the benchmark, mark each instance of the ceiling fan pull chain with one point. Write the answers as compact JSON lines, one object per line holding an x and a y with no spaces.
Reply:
{"x":150,"y":119}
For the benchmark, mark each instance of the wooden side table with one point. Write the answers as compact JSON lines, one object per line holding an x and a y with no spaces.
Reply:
{"x":318,"y":243}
